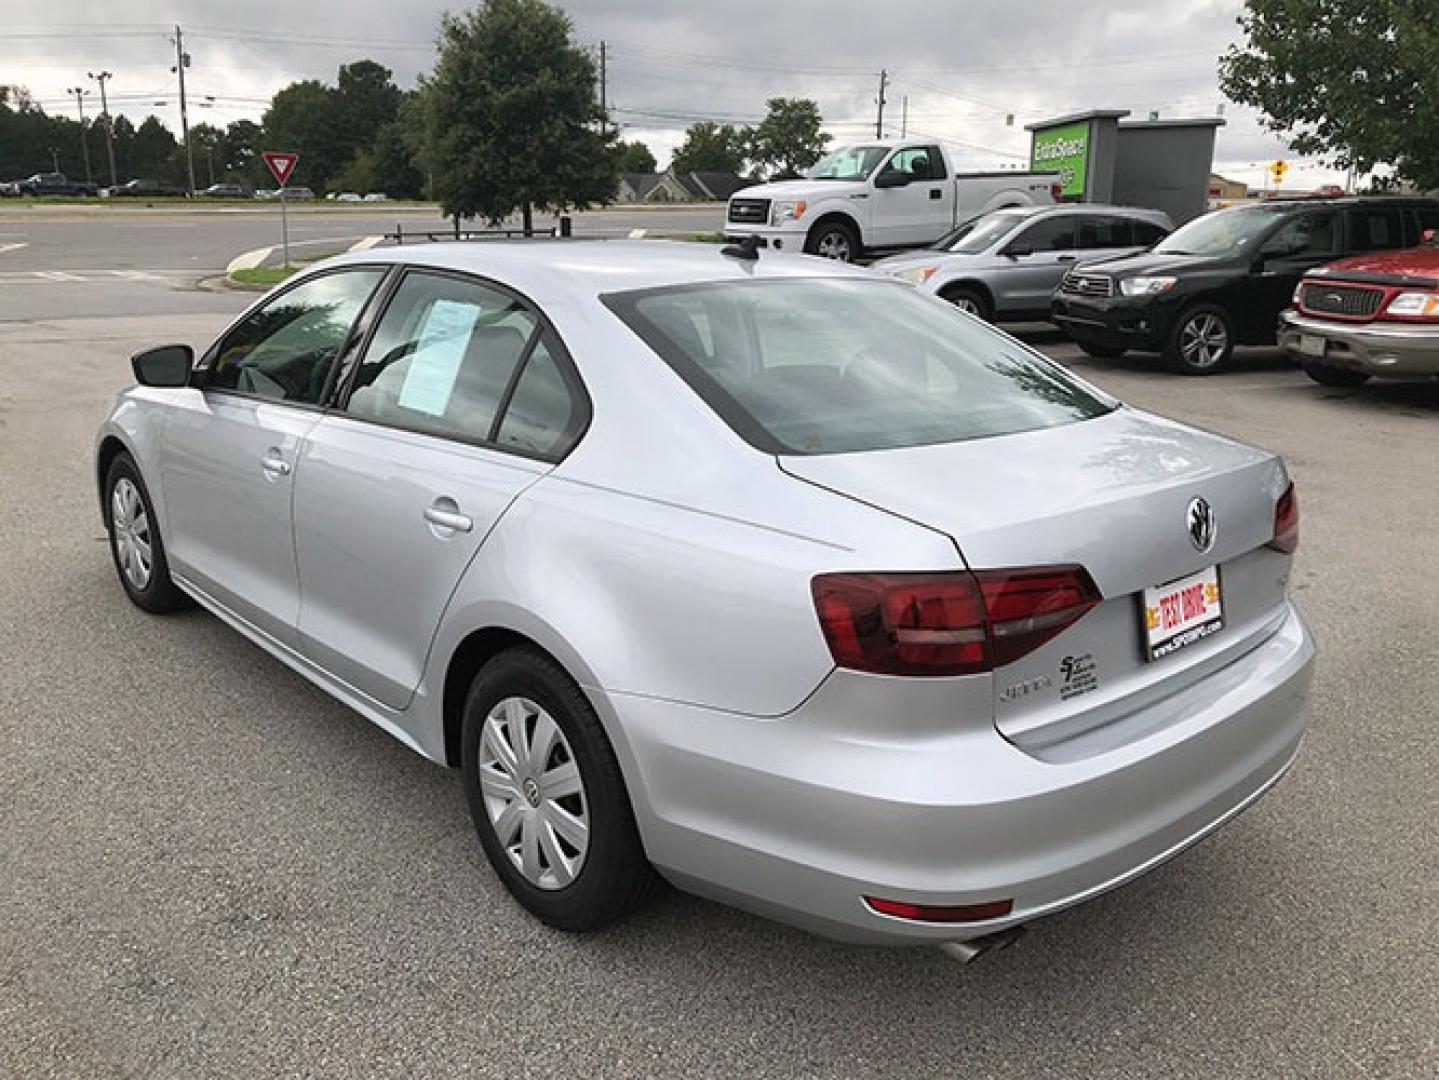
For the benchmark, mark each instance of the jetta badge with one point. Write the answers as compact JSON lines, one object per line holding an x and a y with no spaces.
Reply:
{"x":1199,"y":522}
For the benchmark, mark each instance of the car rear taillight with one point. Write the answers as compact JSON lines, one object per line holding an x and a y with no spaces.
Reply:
{"x":1286,"y":521}
{"x":1057,"y":190}
{"x":958,"y":623}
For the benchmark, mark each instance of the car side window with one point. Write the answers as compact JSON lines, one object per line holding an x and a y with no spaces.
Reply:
{"x":1059,"y":233}
{"x":544,"y":416}
{"x":1307,"y":236}
{"x":1147,"y":233}
{"x":1104,"y":232}
{"x":912,"y":161}
{"x":1375,"y":228}
{"x":443,"y":357}
{"x":284,"y":349}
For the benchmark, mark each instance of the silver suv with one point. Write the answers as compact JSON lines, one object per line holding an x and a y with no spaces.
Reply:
{"x":1006,"y":264}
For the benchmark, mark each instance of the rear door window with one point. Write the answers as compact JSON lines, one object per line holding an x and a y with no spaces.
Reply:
{"x":1307,"y":236}
{"x":1058,"y":233}
{"x":1375,"y":228}
{"x":1097,"y":233}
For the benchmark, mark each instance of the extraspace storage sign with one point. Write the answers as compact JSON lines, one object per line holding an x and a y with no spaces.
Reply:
{"x":1064,"y":150}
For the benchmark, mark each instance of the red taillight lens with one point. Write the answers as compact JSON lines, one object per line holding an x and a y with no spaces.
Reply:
{"x":1286,"y":521}
{"x":957,"y":623}
{"x":900,"y":909}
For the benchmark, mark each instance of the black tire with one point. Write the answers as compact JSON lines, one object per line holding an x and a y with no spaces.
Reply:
{"x":614,"y":877}
{"x":1208,"y":323}
{"x":159,"y":595}
{"x":1328,"y":375}
{"x":970,"y":300}
{"x":1102,"y":352}
{"x":834,"y":238}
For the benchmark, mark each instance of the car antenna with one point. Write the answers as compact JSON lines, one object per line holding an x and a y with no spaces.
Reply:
{"x":747,"y":249}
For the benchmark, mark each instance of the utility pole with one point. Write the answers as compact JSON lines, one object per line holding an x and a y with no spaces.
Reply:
{"x":904,"y":116}
{"x":80,"y":92}
{"x":604,"y":104}
{"x":182,"y":61}
{"x":879,"y":120}
{"x":54,"y":159}
{"x":109,"y":123}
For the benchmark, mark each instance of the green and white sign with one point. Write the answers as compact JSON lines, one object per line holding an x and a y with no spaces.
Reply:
{"x":1064,"y":150}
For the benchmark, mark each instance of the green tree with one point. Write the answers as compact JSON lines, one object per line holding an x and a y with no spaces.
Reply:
{"x":710,"y":148}
{"x":364,"y":100}
{"x":154,"y":153}
{"x":788,"y":140}
{"x":240,"y":152}
{"x":1354,"y":80}
{"x":635,"y":157}
{"x":510,"y":116}
{"x":207,"y":144}
{"x":300,"y":120}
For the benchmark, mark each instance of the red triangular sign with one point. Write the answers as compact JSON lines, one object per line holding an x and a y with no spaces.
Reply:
{"x":281,"y":164}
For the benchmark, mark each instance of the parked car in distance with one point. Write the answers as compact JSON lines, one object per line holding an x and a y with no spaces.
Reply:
{"x":53,"y":183}
{"x":1222,"y":279}
{"x":228,"y":191}
{"x":1370,"y":316}
{"x":873,"y":196}
{"x":9,"y":189}
{"x":1006,"y":264}
{"x":377,"y":196}
{"x":293,"y":193}
{"x":348,"y":196}
{"x":144,"y":189}
{"x":946,"y":641}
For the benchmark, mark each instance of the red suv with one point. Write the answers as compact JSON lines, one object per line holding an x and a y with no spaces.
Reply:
{"x":1374,"y":315}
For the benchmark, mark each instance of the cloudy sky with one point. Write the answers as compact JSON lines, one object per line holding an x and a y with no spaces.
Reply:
{"x":966,"y":66}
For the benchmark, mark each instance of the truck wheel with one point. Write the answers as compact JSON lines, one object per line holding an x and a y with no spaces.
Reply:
{"x":1202,"y":341}
{"x":833,"y":239}
{"x":1328,"y":375}
{"x":970,"y":301}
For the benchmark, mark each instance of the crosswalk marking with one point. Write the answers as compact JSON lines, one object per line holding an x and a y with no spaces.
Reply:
{"x":90,"y":277}
{"x":11,"y":247}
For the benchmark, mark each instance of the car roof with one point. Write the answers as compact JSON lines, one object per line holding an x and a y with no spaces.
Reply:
{"x":551,"y":271}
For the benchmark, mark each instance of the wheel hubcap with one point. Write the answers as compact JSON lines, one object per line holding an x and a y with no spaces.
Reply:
{"x":533,"y":794}
{"x":1203,"y":341}
{"x":130,"y":526}
{"x":834,"y":245}
{"x":967,"y":305}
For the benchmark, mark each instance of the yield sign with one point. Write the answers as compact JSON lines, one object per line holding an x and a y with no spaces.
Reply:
{"x":281,"y":164}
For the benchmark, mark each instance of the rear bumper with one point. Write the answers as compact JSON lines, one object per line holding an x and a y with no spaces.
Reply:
{"x":800,"y":818}
{"x":1374,"y":348}
{"x":1125,"y":322}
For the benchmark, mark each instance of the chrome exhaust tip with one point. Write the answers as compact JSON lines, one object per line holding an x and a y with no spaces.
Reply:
{"x":967,"y":952}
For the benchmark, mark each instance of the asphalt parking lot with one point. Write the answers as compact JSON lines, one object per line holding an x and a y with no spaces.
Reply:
{"x":210,"y":868}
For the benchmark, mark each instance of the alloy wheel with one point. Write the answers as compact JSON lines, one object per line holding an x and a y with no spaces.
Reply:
{"x":1203,"y":341}
{"x":533,"y":793}
{"x":834,"y":245}
{"x":966,"y":304}
{"x":131,"y":526}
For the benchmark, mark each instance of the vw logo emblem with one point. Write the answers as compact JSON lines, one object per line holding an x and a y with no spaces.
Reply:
{"x":1199,"y":523}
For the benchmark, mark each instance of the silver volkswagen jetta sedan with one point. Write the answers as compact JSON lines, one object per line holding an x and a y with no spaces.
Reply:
{"x":779,"y":578}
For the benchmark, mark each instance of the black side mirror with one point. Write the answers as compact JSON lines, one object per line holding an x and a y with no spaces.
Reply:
{"x":1015,"y":250}
{"x":892,"y":178}
{"x":165,"y":366}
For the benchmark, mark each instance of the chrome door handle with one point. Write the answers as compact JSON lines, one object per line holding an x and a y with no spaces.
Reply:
{"x":275,"y":466}
{"x":446,"y":515}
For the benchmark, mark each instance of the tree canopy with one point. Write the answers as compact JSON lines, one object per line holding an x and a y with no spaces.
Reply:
{"x":635,"y":157}
{"x":711,"y":147}
{"x":788,"y":140}
{"x":1356,"y":81}
{"x":511,"y":119}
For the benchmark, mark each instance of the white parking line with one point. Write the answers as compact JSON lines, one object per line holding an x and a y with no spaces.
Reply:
{"x":58,"y":275}
{"x":11,"y":247}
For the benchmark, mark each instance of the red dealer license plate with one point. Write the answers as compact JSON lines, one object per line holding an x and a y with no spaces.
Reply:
{"x":1182,"y":612}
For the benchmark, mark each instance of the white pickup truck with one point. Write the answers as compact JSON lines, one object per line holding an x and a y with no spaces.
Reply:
{"x":885,"y":194}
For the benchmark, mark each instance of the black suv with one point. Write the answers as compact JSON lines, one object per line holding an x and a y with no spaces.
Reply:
{"x":1222,"y":279}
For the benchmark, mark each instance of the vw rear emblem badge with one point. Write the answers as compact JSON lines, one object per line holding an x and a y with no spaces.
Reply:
{"x":1199,"y":522}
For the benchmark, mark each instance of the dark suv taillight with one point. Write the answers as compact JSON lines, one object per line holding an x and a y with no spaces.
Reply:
{"x":1286,"y":521}
{"x":957,"y":623}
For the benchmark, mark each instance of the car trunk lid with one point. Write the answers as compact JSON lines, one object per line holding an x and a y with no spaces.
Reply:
{"x":1113,"y":495}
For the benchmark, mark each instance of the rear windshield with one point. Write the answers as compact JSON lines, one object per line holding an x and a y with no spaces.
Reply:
{"x":830,"y":365}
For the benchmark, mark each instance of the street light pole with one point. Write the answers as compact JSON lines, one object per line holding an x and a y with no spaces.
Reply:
{"x":102,"y":78}
{"x":80,"y":92}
